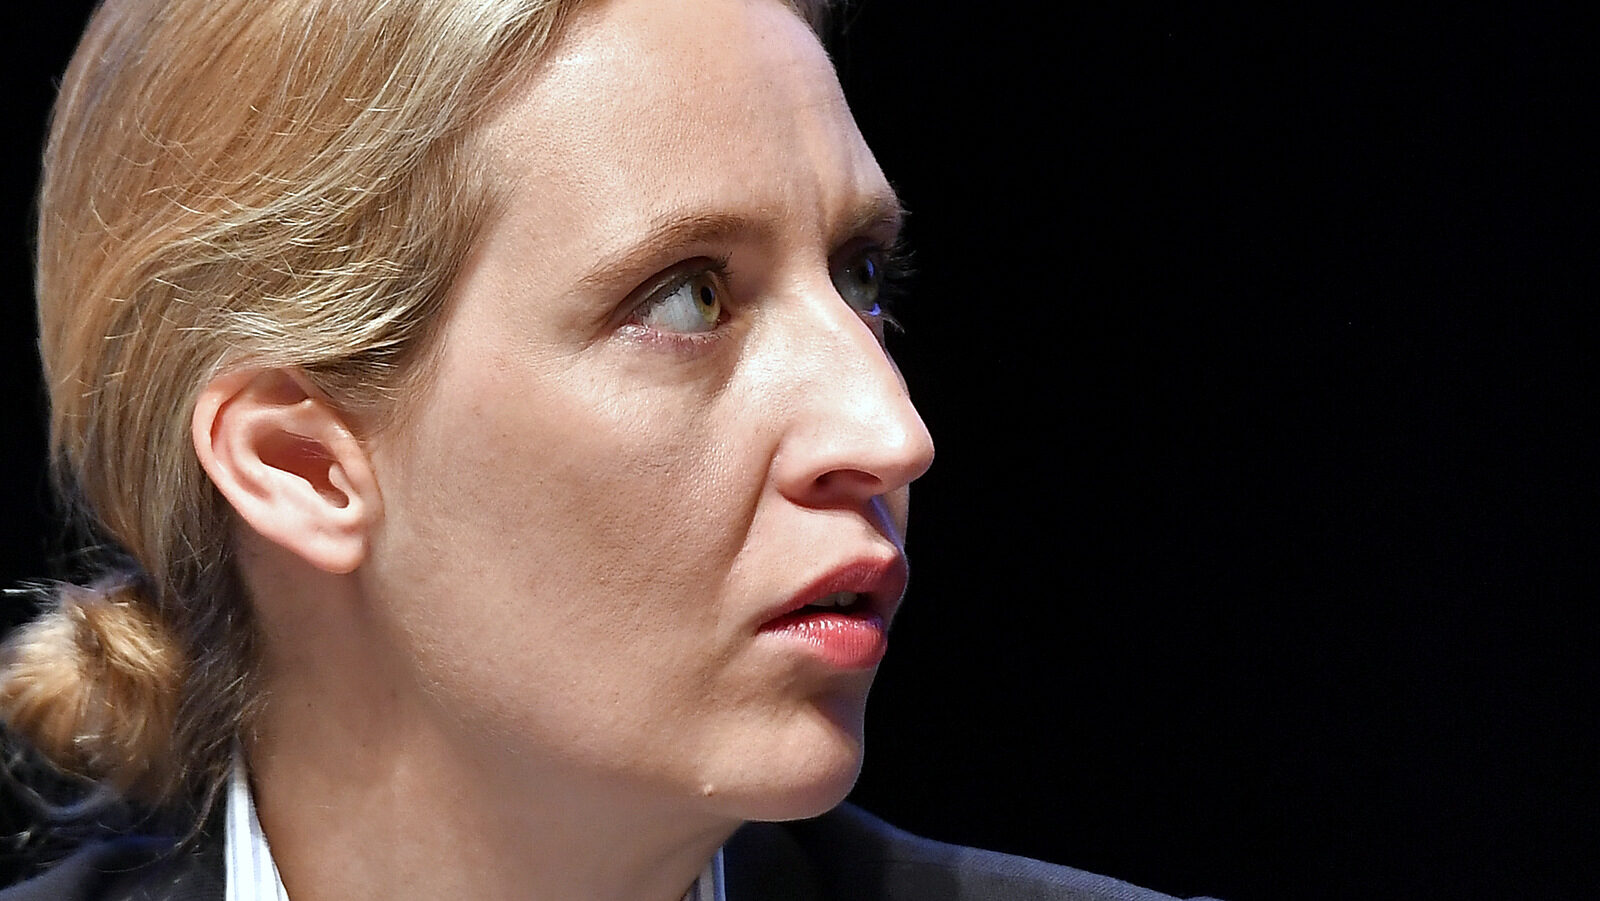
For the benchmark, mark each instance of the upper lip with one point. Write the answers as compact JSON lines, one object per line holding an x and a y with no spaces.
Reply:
{"x":879,"y":578}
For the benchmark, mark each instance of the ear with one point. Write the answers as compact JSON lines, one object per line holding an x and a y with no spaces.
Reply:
{"x":282,"y":455}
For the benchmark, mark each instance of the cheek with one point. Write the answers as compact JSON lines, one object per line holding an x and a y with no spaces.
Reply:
{"x":592,"y":533}
{"x":633,"y":507}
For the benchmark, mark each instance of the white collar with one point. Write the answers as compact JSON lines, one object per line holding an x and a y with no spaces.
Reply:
{"x":253,"y":876}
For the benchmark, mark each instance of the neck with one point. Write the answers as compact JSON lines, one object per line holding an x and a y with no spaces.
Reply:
{"x":402,"y":824}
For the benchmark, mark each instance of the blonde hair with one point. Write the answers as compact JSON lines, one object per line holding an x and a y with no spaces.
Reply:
{"x":230,"y":183}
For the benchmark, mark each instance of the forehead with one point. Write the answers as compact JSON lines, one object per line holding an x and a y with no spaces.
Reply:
{"x":649,"y":110}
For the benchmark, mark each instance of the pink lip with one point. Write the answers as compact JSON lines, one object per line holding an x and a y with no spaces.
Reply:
{"x":853,"y":639}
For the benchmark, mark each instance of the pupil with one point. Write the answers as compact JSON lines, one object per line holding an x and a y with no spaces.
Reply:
{"x":707,"y":296}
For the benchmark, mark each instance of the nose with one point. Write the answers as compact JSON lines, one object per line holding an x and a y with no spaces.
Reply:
{"x":853,"y":433}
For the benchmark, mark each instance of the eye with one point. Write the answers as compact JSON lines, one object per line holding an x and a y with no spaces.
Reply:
{"x":859,"y":280}
{"x":869,"y":278}
{"x":688,"y":305}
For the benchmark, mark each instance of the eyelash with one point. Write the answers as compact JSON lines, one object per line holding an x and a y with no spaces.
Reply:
{"x":896,"y":261}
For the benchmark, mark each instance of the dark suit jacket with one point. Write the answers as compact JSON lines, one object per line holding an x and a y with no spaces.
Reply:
{"x":844,"y":855}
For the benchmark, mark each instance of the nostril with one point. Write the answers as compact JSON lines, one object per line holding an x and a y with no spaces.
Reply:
{"x":850,"y":481}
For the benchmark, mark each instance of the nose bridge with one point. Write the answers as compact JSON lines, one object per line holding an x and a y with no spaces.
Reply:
{"x":850,"y":408}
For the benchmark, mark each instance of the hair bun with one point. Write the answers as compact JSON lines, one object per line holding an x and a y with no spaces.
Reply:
{"x":93,"y":683}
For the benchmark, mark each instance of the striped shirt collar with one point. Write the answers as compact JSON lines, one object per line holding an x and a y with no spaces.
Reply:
{"x":253,"y":876}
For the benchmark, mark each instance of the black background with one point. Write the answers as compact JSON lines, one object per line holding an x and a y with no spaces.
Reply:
{"x":1258,"y":348}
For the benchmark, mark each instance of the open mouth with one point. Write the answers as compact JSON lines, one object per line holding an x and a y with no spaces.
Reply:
{"x":841,"y":619}
{"x":839,"y":607}
{"x":839,"y":601}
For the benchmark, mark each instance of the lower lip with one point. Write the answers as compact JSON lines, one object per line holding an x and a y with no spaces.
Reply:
{"x":842,"y":640}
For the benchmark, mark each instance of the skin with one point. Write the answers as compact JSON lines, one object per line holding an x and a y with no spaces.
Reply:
{"x":512,"y":646}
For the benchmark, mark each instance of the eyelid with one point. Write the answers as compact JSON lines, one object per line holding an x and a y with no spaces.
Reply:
{"x":889,"y":241}
{"x":894,"y":258}
{"x":880,"y":221}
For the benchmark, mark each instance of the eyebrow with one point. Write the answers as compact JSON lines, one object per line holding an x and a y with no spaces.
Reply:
{"x":883,"y":212}
{"x":880,"y":213}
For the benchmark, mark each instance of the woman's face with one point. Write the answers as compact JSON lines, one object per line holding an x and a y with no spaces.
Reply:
{"x":663,"y":418}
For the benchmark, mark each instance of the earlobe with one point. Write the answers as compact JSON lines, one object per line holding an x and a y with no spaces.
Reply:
{"x":285,"y":459}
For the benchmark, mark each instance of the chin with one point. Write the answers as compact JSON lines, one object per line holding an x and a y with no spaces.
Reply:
{"x":801,"y":769}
